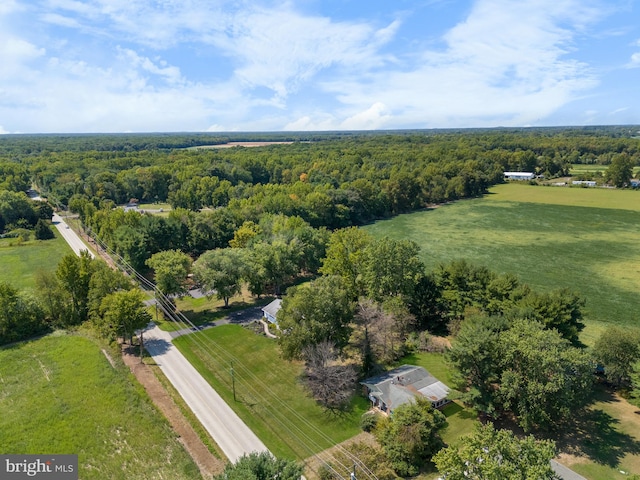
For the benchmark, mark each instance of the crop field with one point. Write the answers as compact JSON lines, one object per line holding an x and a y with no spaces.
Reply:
{"x":551,"y":237}
{"x":60,"y":395}
{"x":20,"y":261}
{"x":269,"y":396}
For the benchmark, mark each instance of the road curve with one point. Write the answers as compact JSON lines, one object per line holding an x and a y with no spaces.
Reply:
{"x":71,"y":237}
{"x":225,"y":427}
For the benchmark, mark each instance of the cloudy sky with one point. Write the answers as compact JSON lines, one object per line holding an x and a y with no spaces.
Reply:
{"x":271,"y":65}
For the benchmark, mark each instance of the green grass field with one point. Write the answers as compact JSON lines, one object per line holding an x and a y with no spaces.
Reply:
{"x":60,"y":395}
{"x":270,"y":398}
{"x":20,"y":261}
{"x":551,"y":237}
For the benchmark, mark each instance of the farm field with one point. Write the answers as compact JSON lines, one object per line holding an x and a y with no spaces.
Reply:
{"x":60,"y":395}
{"x":269,"y":397}
{"x":551,"y":237}
{"x":20,"y":262}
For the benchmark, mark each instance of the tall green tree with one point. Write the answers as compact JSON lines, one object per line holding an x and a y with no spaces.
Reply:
{"x":74,"y":274}
{"x":20,"y":316}
{"x":261,"y":466}
{"x":104,"y":281}
{"x":411,"y":436}
{"x":620,"y":171}
{"x":43,"y":230}
{"x":277,"y":260}
{"x":545,"y":381}
{"x":122,"y":313}
{"x":475,"y":354}
{"x":618,"y":350}
{"x":344,"y":257}
{"x":560,"y":310}
{"x":51,"y":296}
{"x":391,"y":268}
{"x":311,"y":313}
{"x":492,"y":454}
{"x":171,"y":268}
{"x":221,"y":272}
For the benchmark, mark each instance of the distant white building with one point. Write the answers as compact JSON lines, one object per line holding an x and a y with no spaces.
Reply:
{"x":519,"y":175}
{"x":586,"y":183}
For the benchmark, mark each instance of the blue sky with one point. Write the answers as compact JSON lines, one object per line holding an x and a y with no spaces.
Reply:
{"x":269,"y":65}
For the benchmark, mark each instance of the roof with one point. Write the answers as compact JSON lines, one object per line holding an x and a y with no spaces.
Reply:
{"x":519,"y":174}
{"x":403,"y":384}
{"x":272,"y":308}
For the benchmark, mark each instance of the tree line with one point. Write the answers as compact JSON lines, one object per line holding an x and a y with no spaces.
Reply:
{"x":82,"y":290}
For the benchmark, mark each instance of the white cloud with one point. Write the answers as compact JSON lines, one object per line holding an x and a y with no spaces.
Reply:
{"x":170,"y":73}
{"x":307,"y":124}
{"x":9,"y":6}
{"x":3,"y":131}
{"x":634,"y":62}
{"x":259,"y":68}
{"x":373,"y":118}
{"x":505,"y":64}
{"x":280,"y":49}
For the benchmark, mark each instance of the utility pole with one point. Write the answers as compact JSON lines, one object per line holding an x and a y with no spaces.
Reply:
{"x":233,"y":382}
{"x":353,"y":474}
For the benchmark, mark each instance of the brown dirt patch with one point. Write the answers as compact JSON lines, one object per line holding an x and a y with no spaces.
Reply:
{"x":208,"y":464}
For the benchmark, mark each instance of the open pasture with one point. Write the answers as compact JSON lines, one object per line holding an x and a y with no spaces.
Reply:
{"x":60,"y":395}
{"x":551,"y":237}
{"x":20,"y":261}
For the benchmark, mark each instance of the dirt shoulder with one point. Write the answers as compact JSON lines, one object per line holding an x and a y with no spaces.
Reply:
{"x":208,"y":464}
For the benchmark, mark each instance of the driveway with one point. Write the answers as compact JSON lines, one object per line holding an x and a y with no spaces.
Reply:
{"x":225,"y":427}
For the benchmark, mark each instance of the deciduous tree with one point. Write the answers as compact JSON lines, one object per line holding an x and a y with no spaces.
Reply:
{"x":544,"y":380}
{"x":311,"y":313}
{"x":171,"y":268}
{"x":122,"y":313}
{"x":261,"y":466}
{"x":221,"y":272}
{"x":331,"y":382}
{"x":496,"y":454}
{"x":410,"y":437}
{"x":618,"y":350}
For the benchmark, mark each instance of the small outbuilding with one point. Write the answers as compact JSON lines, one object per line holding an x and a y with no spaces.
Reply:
{"x":402,"y":385}
{"x":270,"y":311}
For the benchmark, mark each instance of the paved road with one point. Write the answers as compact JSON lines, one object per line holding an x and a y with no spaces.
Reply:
{"x":565,"y":472}
{"x":74,"y":241}
{"x":225,"y":427}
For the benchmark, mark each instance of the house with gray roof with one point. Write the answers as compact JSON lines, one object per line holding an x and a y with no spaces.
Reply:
{"x":402,"y":385}
{"x":270,"y":311}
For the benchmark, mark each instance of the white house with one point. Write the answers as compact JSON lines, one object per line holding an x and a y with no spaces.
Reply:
{"x":270,"y":311}
{"x":519,"y":175}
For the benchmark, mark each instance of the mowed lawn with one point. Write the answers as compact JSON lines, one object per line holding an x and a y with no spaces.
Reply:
{"x":20,"y":261}
{"x":60,"y":395}
{"x":269,"y":395}
{"x":551,"y":237}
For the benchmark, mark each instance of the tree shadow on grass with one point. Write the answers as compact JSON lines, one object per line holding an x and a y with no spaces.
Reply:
{"x":596,"y":434}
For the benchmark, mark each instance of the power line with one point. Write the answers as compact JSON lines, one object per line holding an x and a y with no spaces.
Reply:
{"x":244,"y":377}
